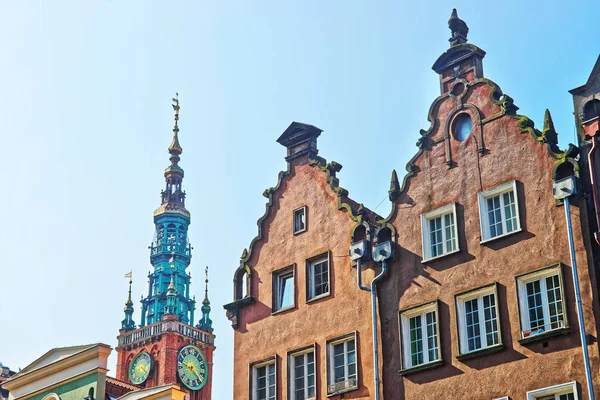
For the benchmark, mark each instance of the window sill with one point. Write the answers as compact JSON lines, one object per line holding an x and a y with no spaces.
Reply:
{"x":422,"y":367}
{"x":481,"y":352}
{"x":282,"y":310}
{"x":296,"y":233}
{"x":350,"y":389}
{"x":500,"y":236}
{"x":319,"y":297}
{"x":545,"y":335}
{"x":426,"y":260}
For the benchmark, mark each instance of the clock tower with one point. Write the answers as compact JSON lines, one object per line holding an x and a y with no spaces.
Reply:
{"x":167,"y":348}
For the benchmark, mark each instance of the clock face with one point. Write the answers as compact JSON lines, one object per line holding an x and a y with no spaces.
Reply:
{"x":192,"y":368}
{"x":140,"y":367}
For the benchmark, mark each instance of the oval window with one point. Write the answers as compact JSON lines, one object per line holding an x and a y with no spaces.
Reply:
{"x":462,"y":126}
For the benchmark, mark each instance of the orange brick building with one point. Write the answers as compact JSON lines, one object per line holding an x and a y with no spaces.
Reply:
{"x":476,"y":298}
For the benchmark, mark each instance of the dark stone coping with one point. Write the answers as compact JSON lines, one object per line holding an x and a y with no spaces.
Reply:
{"x":481,"y":352}
{"x":422,"y":367}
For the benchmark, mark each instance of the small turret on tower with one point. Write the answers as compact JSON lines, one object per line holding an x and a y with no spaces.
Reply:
{"x":205,"y":321}
{"x":128,"y":324}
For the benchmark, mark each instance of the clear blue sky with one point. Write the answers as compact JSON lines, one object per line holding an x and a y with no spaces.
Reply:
{"x":85,"y":120}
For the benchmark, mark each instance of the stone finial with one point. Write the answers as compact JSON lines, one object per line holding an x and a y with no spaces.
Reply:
{"x":459,"y":29}
{"x":394,"y":186}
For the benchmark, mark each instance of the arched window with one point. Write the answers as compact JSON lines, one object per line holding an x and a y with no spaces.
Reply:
{"x":591,"y":110}
{"x":242,"y":283}
{"x":462,"y":126}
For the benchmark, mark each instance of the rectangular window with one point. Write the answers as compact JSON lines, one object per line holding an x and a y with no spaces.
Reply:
{"x":299,"y":220}
{"x":478,"y":324}
{"x":499,"y":211}
{"x":318,"y":277}
{"x":302,"y":375}
{"x":283,"y":288}
{"x":342,"y":370}
{"x":566,"y":391}
{"x":419,"y":332}
{"x":264,"y":380}
{"x":541,"y":301}
{"x":439,"y":233}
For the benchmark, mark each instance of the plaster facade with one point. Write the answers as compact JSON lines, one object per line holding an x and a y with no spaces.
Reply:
{"x":264,"y":333}
{"x":498,"y":155}
{"x":511,"y":154}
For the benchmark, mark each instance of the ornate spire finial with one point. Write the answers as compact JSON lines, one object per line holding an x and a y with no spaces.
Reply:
{"x":175,"y":147}
{"x":459,"y":29}
{"x":206,"y":281}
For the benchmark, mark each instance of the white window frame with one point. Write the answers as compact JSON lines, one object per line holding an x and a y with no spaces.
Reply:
{"x":299,"y":210}
{"x":292,"y":372}
{"x":404,"y":320}
{"x":557,"y":390}
{"x":346,"y":385}
{"x":540,"y":275}
{"x":310,"y":273}
{"x":483,"y":210}
{"x":278,"y":279}
{"x":478,"y":294}
{"x":254,"y":368}
{"x":426,"y":231}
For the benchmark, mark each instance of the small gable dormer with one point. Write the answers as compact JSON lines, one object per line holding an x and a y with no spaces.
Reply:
{"x":300,"y":139}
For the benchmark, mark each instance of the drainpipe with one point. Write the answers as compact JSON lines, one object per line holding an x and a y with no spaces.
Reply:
{"x":381,"y":253}
{"x":563,"y":189}
{"x":594,"y":181}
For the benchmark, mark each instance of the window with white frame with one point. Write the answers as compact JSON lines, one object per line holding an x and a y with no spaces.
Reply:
{"x":300,"y":220}
{"x":318,"y":277}
{"x":478,"y":325}
{"x":283,"y":288}
{"x":301,"y":366}
{"x":541,"y":302}
{"x":499,"y":211}
{"x":264,"y":381}
{"x":439,"y":232}
{"x":419,"y":332}
{"x":566,"y":391}
{"x":341,"y":363}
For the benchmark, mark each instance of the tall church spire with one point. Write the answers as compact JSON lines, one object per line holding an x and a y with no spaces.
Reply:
{"x":170,"y":252}
{"x":128,"y":324}
{"x":205,"y":321}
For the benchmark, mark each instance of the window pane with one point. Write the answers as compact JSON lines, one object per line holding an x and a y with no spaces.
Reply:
{"x":473,"y":329}
{"x":416,"y":341}
{"x":432,"y":347}
{"x":554,"y":302}
{"x":286,"y":291}
{"x":490,"y":320}
{"x":299,"y":220}
{"x":320,"y":281}
{"x":509,"y":211}
{"x":534,"y":304}
{"x":298,"y":377}
{"x":435,"y":236}
{"x":449,"y":227}
{"x":494,"y":216}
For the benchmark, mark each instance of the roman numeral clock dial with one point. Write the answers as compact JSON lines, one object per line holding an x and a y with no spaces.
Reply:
{"x":192,"y":369}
